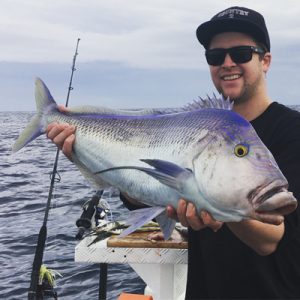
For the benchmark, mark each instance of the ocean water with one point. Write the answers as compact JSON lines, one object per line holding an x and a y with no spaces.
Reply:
{"x":25,"y":182}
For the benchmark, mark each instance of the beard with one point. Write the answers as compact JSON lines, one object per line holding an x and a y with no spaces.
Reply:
{"x":248,"y":91}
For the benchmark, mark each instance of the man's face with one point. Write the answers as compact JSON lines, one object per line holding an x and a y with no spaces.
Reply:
{"x":239,"y":82}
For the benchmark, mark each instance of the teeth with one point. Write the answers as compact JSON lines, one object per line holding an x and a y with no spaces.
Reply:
{"x":231,"y":77}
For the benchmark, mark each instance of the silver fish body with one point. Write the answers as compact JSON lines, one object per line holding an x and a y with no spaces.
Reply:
{"x":211,"y":157}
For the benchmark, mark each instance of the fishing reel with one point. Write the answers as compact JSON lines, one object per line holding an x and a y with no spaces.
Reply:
{"x":94,"y":209}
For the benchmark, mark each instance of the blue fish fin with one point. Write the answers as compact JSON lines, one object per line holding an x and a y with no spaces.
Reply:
{"x":139,"y":217}
{"x":166,"y":224}
{"x":166,"y":167}
{"x":164,"y":171}
{"x":168,"y":173}
{"x":36,"y":127}
{"x":209,"y":102}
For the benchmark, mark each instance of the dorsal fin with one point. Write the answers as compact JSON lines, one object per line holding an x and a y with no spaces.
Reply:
{"x":209,"y":102}
{"x":200,"y":103}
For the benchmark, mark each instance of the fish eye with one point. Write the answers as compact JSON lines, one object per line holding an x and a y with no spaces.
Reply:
{"x":241,"y":150}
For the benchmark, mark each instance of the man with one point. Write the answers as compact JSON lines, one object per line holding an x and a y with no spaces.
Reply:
{"x":248,"y":259}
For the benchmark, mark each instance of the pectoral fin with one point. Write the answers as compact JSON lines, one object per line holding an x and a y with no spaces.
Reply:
{"x":168,"y":173}
{"x":166,"y":224}
{"x":137,"y":218}
{"x":164,"y":171}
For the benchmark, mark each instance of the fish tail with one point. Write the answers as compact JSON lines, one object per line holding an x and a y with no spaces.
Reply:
{"x":37,"y":126}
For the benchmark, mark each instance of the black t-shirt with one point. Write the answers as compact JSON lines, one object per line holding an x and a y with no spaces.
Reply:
{"x":223,"y":267}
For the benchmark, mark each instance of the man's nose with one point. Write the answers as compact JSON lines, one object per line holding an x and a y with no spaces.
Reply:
{"x":228,"y":62}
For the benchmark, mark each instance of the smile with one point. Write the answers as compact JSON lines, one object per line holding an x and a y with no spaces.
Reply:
{"x":231,"y":77}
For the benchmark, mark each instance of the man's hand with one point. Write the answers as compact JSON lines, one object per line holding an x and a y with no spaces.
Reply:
{"x":187,"y":215}
{"x":62,"y":135}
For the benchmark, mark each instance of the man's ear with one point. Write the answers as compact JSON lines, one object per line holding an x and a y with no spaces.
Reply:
{"x":266,"y":62}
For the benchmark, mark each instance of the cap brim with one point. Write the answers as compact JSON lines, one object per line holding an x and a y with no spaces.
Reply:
{"x":206,"y":31}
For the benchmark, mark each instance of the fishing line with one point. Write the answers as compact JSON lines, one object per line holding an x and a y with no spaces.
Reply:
{"x":34,"y":293}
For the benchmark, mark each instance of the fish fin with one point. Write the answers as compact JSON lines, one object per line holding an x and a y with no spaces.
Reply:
{"x":168,"y":173}
{"x":166,"y":224}
{"x":120,"y":168}
{"x":43,"y":97}
{"x":89,"y":110}
{"x":200,"y":103}
{"x":209,"y":102}
{"x":44,"y":102}
{"x":137,"y":218}
{"x":94,"y":111}
{"x":164,"y":171}
{"x":166,"y":167}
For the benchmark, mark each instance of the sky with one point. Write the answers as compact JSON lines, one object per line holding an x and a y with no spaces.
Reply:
{"x":132,"y":53}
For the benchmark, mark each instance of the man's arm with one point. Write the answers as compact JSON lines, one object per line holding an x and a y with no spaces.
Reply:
{"x":261,"y":237}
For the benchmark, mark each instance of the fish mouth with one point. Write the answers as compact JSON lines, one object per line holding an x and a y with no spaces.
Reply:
{"x":272,"y":201}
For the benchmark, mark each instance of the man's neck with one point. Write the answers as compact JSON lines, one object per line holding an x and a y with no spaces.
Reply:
{"x":252,"y":108}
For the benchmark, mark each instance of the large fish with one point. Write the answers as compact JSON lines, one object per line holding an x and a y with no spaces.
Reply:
{"x":210,"y":156}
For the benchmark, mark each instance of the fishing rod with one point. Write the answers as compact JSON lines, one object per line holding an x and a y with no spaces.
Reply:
{"x":34,"y":293}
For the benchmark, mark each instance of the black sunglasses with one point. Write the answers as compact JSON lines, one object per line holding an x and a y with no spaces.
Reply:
{"x":239,"y":54}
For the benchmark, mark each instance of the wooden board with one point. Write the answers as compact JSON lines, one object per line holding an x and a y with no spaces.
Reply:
{"x":140,"y":240}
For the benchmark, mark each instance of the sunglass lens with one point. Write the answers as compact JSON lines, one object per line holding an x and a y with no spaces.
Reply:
{"x":240,"y":56}
{"x":215,"y":57}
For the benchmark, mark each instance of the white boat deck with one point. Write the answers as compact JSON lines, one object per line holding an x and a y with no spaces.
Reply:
{"x":163,"y":269}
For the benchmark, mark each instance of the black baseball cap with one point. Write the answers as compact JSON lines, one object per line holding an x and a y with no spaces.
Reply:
{"x":237,"y":19}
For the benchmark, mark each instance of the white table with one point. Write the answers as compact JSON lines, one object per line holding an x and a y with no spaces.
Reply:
{"x":164,"y":270}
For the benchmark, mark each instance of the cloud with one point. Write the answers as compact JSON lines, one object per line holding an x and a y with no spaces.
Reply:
{"x":143,"y":34}
{"x":132,"y":53}
{"x":146,"y":36}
